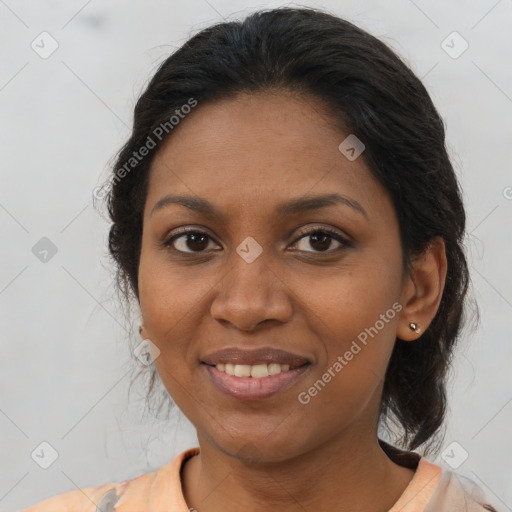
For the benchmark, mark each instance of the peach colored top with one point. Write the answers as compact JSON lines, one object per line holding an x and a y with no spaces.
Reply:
{"x":432,"y":489}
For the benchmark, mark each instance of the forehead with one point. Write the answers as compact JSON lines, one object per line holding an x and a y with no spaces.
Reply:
{"x":258,"y":149}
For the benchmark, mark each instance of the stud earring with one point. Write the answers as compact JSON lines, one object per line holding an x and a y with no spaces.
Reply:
{"x":414,"y":327}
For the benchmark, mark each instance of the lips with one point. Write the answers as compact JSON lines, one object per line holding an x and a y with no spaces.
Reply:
{"x":250,"y":388}
{"x":265,"y":355}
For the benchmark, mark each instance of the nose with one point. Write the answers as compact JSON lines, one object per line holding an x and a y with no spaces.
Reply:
{"x":250,"y":294}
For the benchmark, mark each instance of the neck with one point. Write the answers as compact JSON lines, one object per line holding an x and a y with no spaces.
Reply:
{"x":347,"y":473}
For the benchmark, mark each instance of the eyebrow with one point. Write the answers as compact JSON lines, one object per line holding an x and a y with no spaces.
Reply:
{"x":291,"y":207}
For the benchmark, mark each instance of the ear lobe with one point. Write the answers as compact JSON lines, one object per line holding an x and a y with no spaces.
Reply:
{"x":423,"y":290}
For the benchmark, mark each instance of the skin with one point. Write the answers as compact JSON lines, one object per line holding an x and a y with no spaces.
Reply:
{"x":246,"y":156}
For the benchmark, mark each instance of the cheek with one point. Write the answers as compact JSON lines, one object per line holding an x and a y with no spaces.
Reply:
{"x":174,"y":301}
{"x":355,"y":317}
{"x":353,"y":298}
{"x":169,"y":293}
{"x":167,"y":301}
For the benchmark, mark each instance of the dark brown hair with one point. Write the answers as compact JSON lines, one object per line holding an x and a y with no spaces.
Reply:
{"x":365,"y":87}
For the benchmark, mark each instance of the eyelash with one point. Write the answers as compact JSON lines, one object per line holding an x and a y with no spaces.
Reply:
{"x":345,"y":243}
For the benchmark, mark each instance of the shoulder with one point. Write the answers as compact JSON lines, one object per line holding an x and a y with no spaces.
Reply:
{"x":162,"y":486}
{"x":86,"y":499}
{"x":455,"y":492}
{"x":436,"y":489}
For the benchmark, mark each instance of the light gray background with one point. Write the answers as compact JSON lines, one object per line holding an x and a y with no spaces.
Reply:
{"x":65,"y":357}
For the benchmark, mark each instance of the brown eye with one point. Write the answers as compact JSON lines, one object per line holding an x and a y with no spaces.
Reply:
{"x":189,"y":241}
{"x":321,"y":240}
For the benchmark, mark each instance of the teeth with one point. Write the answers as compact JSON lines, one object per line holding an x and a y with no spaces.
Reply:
{"x":259,"y":370}
{"x":255,"y":370}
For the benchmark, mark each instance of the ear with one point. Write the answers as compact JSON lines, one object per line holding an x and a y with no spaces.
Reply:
{"x":422,"y":290}
{"x":142,"y":330}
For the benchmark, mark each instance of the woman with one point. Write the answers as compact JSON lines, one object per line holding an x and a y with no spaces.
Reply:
{"x":287,"y":218}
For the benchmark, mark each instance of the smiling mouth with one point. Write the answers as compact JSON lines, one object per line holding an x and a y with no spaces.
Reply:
{"x":250,"y":382}
{"x":259,"y":370}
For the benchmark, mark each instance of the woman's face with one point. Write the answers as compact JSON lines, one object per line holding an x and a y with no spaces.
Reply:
{"x":255,"y":275}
